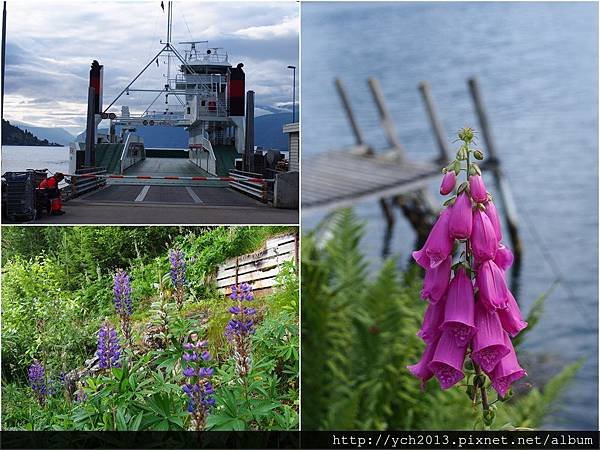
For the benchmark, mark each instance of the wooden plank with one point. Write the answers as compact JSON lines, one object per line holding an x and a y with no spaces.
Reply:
{"x":263,"y":265}
{"x":259,"y":268}
{"x":249,"y":277}
{"x":257,"y":257}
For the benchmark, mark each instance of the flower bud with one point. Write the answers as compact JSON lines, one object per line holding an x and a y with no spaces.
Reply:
{"x":466,"y":134}
{"x":448,"y":182}
{"x":478,"y":155}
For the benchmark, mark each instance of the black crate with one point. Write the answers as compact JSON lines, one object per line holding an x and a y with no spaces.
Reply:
{"x":20,"y":194}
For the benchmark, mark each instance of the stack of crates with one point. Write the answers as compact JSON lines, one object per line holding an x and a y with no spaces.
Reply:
{"x":20,"y":194}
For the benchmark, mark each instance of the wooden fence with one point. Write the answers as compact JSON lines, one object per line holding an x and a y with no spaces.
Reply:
{"x":259,"y":268}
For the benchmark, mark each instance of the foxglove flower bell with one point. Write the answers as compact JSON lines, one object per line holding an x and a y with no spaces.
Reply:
{"x":438,"y":244}
{"x":461,"y":217}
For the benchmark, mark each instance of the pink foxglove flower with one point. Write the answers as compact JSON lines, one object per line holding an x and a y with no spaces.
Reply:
{"x":448,"y":361}
{"x":478,"y":190}
{"x":459,"y":320}
{"x":504,"y":257}
{"x":507,"y":371}
{"x":492,"y":286}
{"x":490,"y":211}
{"x":465,"y":315}
{"x":511,"y":318}
{"x":438,"y":245}
{"x":430,"y":329}
{"x":488,"y":343}
{"x":436,"y":281}
{"x":448,"y":182}
{"x":421,"y":369}
{"x":461,"y":217}
{"x":483,"y":237}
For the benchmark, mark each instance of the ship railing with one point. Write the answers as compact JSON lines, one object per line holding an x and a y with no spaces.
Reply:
{"x":133,"y":155}
{"x":247,"y":182}
{"x":202,"y":154}
{"x":83,"y":185}
{"x":199,"y":58}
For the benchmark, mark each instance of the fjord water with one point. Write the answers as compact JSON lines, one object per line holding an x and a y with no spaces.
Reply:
{"x":21,"y":157}
{"x":537,"y":67}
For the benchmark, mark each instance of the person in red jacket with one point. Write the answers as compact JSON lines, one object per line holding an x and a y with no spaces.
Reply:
{"x":50,"y":187}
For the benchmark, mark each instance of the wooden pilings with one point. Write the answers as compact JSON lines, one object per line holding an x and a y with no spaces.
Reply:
{"x":508,"y":205}
{"x":436,"y":124}
{"x":358,"y":136}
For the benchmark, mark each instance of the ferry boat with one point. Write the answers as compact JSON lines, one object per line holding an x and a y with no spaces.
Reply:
{"x":207,"y":98}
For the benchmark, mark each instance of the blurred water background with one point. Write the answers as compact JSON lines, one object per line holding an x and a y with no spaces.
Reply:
{"x":16,"y":158}
{"x":538,"y":71}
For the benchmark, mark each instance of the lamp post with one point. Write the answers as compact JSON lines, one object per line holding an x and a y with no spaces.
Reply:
{"x":293,"y":95}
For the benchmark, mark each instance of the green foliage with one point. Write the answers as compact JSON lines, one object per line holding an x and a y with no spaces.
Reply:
{"x":57,"y":289}
{"x":358,"y":336}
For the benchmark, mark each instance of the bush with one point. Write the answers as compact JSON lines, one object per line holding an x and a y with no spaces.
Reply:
{"x":53,"y":315}
{"x":358,"y":336}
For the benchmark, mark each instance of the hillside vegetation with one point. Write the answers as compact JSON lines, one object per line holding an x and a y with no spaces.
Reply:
{"x":12,"y":135}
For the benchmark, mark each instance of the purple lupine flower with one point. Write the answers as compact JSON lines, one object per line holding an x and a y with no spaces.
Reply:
{"x":37,"y":381}
{"x":109,"y":350}
{"x":492,"y":286}
{"x":504,"y":257}
{"x":477,"y":188}
{"x":430,"y":329}
{"x":123,"y":303}
{"x":461,"y":217}
{"x":438,"y":244}
{"x":178,"y":267}
{"x":447,"y":361}
{"x":421,"y":369}
{"x":459,"y":320}
{"x":488,"y":343}
{"x":122,"y":292}
{"x":197,"y":385}
{"x":483,"y":237}
{"x":507,"y":371}
{"x":436,"y":281}
{"x":490,"y":211}
{"x":241,"y":327}
{"x":510,"y":318}
{"x":448,"y":182}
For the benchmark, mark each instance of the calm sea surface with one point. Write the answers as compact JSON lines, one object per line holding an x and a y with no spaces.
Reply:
{"x":537,"y":67}
{"x":16,"y":158}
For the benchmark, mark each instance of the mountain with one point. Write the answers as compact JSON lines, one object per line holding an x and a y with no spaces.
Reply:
{"x":59,"y":135}
{"x":268,"y":133}
{"x":12,"y":135}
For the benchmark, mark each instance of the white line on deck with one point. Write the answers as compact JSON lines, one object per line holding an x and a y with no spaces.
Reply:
{"x":193,"y":195}
{"x":142,"y":195}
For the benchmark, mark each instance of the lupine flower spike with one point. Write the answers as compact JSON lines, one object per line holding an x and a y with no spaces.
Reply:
{"x":471,"y":311}
{"x":240,"y":328}
{"x":109,"y":350}
{"x":177,"y":260}
{"x":123,"y":303}
{"x":37,"y":381}
{"x":197,"y":385}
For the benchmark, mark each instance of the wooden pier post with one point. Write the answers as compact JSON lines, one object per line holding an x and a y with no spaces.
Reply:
{"x":386,"y":119}
{"x":436,"y":124}
{"x":504,"y":192}
{"x":358,"y":136}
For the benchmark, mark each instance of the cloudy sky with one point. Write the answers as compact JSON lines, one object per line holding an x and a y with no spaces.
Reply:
{"x":50,"y":46}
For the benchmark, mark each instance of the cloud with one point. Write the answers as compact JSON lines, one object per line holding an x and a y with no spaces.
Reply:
{"x":50,"y":46}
